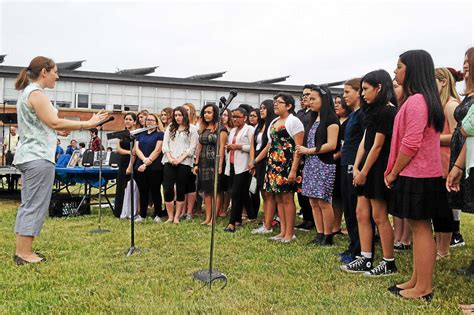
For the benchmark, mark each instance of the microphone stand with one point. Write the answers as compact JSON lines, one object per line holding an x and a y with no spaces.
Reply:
{"x":208,"y":276}
{"x":126,"y":134}
{"x":99,"y":230}
{"x":132,"y":248}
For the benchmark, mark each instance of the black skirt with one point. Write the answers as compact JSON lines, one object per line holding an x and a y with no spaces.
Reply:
{"x":419,"y":198}
{"x":374,"y":187}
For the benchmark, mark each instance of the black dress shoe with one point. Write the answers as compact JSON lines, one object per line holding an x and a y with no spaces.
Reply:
{"x":229,"y":230}
{"x":20,"y":261}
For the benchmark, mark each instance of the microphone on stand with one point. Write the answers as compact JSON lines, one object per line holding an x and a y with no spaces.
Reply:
{"x":232,"y":94}
{"x":222,"y":100}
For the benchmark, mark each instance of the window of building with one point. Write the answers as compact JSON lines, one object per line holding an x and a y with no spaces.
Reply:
{"x":82,"y":100}
{"x":97,"y":106}
{"x":63,"y":104}
{"x":130,"y":108}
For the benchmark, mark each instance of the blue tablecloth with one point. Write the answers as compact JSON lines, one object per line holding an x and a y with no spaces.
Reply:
{"x":85,"y":175}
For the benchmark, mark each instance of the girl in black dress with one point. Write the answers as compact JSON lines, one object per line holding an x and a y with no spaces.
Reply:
{"x":259,"y":142}
{"x":379,"y":103}
{"x":123,"y":148}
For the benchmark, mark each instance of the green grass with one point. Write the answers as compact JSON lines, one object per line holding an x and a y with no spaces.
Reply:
{"x":88,"y":273}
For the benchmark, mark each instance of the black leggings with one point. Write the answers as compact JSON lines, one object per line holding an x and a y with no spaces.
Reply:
{"x":178,"y":175}
{"x":305,"y":206}
{"x":122,"y":180}
{"x":239,"y":184}
{"x":149,"y":183}
{"x":349,"y":202}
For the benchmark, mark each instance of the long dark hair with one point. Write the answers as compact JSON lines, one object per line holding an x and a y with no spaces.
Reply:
{"x":420,"y":78}
{"x":132,"y":115}
{"x":230,"y":123}
{"x":257,"y":112}
{"x":215,"y":117}
{"x":385,"y":96}
{"x":33,"y":71}
{"x":174,"y":124}
{"x":265,"y":123}
{"x":344,"y":105}
{"x":326,"y":113}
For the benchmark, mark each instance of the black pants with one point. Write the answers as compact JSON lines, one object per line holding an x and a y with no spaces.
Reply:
{"x":149,"y":181}
{"x":349,"y":204}
{"x":239,"y":184}
{"x":254,"y":202}
{"x":305,"y":207}
{"x":178,"y":175}
{"x":122,"y":180}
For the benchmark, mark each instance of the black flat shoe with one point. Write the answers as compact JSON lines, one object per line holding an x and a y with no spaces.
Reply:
{"x":20,"y":261}
{"x":40,"y":255}
{"x":428,"y":297}
{"x":394,"y":289}
{"x":229,"y":230}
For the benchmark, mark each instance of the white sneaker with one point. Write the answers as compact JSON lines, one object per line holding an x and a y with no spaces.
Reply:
{"x":188,"y":216}
{"x":261,"y":230}
{"x":157,"y":219}
{"x":138,"y":219}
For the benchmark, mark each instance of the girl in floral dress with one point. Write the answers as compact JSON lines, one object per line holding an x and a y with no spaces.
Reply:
{"x":282,"y":177}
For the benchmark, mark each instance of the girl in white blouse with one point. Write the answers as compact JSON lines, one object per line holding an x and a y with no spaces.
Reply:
{"x":179,"y":146}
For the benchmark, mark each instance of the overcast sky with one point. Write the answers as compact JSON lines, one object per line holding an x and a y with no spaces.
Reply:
{"x":313,"y":41}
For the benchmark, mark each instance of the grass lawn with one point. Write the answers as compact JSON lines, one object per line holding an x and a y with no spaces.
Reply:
{"x":89,"y":273}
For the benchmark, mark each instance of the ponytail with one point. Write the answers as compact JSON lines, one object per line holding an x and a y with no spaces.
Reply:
{"x":33,"y":71}
{"x":22,"y":80}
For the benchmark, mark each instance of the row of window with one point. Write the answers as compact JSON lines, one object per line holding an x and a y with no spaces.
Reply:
{"x":127,"y":98}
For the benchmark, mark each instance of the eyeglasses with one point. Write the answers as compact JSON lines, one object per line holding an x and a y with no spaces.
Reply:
{"x":279,"y":102}
{"x":152,"y":120}
{"x":237,"y":117}
{"x":305,"y":95}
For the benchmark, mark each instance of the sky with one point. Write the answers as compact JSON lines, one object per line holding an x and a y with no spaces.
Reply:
{"x":313,"y":41}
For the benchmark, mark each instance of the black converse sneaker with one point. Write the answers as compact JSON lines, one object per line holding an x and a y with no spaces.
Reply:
{"x":385,"y":268}
{"x":360,"y":264}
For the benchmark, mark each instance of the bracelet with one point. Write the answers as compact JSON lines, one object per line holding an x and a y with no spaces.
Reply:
{"x":458,"y":167}
{"x":195,"y":164}
{"x":254,"y":162}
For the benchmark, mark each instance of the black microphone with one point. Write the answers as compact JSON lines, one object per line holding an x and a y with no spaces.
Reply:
{"x":105,"y":121}
{"x":232,"y":94}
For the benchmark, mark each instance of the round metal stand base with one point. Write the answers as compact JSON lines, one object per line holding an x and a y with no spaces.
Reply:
{"x":209,"y":277}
